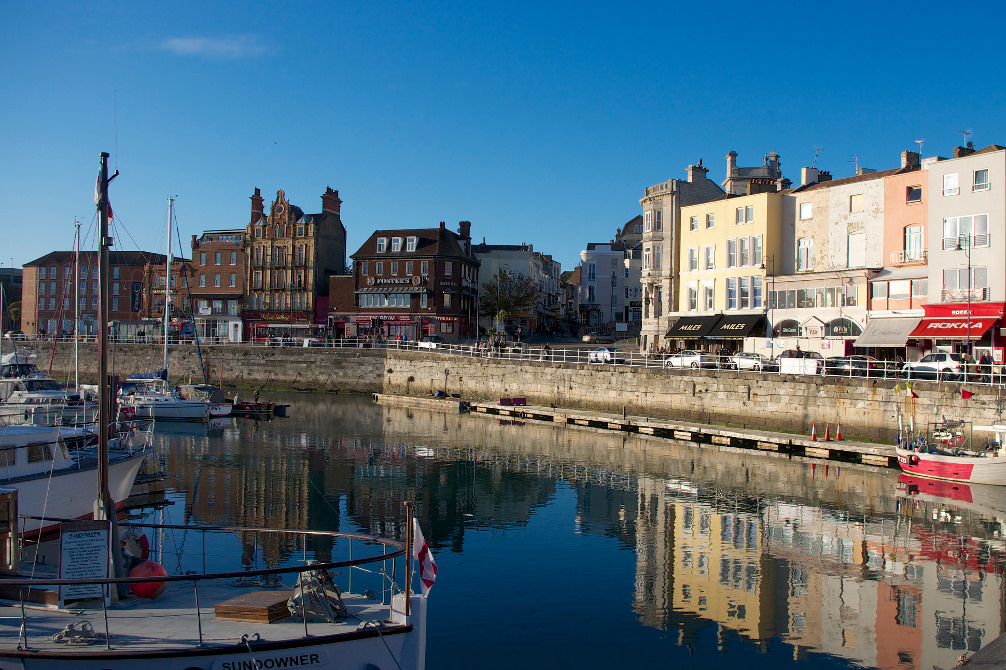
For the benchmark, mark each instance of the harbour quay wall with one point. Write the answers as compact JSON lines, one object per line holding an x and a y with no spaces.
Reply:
{"x":793,"y":403}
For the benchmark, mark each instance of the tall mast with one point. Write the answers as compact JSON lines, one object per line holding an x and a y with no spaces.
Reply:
{"x":103,"y":505}
{"x":76,"y":306}
{"x":167,"y":290}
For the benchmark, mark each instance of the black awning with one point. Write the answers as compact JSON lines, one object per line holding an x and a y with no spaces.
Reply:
{"x":737,"y":326}
{"x":692,"y":327}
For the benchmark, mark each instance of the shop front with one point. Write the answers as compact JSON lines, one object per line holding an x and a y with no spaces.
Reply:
{"x":962,"y":329}
{"x":689,"y":332}
{"x":730,"y":330}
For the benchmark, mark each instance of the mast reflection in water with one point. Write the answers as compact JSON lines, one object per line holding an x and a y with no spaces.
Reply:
{"x":563,"y":547}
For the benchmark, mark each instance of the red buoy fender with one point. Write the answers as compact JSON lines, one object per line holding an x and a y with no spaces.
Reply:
{"x":148,"y":589}
{"x":913,"y":459}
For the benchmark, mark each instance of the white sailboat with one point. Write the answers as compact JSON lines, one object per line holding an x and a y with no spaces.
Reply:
{"x":152,"y":397}
{"x":291,"y":614}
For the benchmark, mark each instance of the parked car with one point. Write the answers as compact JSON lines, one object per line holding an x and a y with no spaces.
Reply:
{"x":796,"y":362}
{"x":854,"y":366}
{"x":937,"y":365}
{"x":750,"y":361}
{"x":606,"y":355}
{"x":691,"y":359}
{"x":598,"y":338}
{"x":429,"y":342}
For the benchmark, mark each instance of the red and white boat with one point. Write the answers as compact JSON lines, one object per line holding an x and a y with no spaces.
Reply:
{"x":948,"y":451}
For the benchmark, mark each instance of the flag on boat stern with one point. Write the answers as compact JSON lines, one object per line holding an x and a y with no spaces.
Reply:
{"x":424,"y":558}
{"x":965,"y":394}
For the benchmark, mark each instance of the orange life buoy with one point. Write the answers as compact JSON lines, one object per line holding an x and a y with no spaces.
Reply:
{"x":135,"y":544}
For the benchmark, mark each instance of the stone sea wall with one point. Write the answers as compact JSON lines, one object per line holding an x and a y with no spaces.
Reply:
{"x":865,"y":407}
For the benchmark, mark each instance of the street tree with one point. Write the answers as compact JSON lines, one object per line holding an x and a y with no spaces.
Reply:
{"x":507,"y":293}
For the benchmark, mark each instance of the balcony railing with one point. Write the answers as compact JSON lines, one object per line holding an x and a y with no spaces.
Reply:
{"x":961,"y":294}
{"x":909,"y":256}
{"x":962,"y":241}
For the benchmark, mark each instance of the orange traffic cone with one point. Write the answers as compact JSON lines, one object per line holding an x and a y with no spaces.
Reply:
{"x":838,"y":431}
{"x":813,"y":432}
{"x":827,"y":429}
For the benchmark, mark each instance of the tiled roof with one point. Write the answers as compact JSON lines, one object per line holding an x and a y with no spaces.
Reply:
{"x":430,"y":242}
{"x":114,"y":258}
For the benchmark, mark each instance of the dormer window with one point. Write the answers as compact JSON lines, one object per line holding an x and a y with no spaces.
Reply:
{"x":382,"y":244}
{"x":396,"y":245}
{"x":410,"y":243}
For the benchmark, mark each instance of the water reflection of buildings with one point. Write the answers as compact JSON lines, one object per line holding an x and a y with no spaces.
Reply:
{"x":770,"y":550}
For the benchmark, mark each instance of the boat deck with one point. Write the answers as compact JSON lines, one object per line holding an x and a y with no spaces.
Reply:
{"x":170,"y":622}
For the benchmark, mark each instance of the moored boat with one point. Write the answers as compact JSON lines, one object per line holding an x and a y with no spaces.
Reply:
{"x":948,"y":451}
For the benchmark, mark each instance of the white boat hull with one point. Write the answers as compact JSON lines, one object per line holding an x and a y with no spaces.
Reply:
{"x":71,"y":493}
{"x":969,"y":469}
{"x":167,"y":407}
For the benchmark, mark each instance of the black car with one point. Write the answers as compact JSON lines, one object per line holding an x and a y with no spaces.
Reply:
{"x":854,"y":366}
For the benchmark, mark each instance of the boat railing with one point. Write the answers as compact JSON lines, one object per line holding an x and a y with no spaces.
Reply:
{"x":356,"y":551}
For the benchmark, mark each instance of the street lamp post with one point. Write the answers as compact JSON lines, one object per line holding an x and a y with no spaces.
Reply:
{"x":964,"y":244}
{"x":771,"y":326}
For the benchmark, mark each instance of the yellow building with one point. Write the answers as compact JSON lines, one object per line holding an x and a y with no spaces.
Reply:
{"x":728,"y":252}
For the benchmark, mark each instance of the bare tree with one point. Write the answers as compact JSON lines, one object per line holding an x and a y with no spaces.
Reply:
{"x":506,"y":294}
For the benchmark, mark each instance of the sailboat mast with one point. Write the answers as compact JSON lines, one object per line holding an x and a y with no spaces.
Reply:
{"x":104,"y":506}
{"x":167,"y":289}
{"x":76,"y":306}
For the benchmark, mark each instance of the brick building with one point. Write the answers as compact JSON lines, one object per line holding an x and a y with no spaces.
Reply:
{"x":411,"y":283}
{"x":289,"y":257}
{"x":49,"y":290}
{"x":217,"y":284}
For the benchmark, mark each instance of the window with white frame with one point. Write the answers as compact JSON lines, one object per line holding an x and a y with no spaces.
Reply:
{"x":394,"y":268}
{"x":647,"y":221}
{"x":739,"y":216}
{"x":396,"y":244}
{"x":731,"y":292}
{"x":424,"y":268}
{"x":591,"y":272}
{"x":693,"y":296}
{"x":744,"y":292}
{"x":950,"y":184}
{"x":744,"y":256}
{"x":973,"y":229}
{"x":448,"y":268}
{"x":708,"y":288}
{"x":806,"y":211}
{"x":957,"y":278}
{"x":646,"y":258}
{"x":693,"y":259}
{"x":899,"y":289}
{"x":233,"y":282}
{"x":382,"y":244}
{"x":693,"y":223}
{"x":216,"y":281}
{"x":710,"y":257}
{"x":379,"y":268}
{"x":914,"y":243}
{"x":981,"y":182}
{"x":710,"y":221}
{"x":410,"y":243}
{"x":731,"y":253}
{"x":749,"y":214}
{"x":756,"y":292}
{"x":879,"y":290}
{"x":805,"y":253}
{"x":202,"y":281}
{"x":756,"y":250}
{"x":920,"y":288}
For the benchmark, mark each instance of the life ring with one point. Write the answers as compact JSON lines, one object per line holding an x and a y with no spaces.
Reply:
{"x":135,"y":544}
{"x":128,"y":412}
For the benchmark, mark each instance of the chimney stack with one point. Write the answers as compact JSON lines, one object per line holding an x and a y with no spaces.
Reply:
{"x":910,"y":160}
{"x":257,"y":201}
{"x":696,"y":173}
{"x":465,"y":229}
{"x":330,"y":202}
{"x":808,"y":175}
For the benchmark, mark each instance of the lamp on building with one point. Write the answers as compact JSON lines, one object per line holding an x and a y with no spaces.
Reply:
{"x":964,"y":243}
{"x":770,"y":260}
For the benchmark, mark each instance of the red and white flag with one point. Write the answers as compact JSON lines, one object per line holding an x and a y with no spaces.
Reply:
{"x":424,"y":558}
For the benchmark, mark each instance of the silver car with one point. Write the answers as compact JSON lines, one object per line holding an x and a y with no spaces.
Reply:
{"x":690,"y":359}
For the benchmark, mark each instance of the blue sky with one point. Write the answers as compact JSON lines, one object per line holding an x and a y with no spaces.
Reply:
{"x":538,"y":122}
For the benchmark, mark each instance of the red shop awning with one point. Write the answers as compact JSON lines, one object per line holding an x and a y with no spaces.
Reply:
{"x":952,"y":328}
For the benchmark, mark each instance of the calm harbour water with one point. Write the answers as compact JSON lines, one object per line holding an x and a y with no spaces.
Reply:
{"x":563,"y":547}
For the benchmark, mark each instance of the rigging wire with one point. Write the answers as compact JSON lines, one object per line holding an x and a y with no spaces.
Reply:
{"x":188,"y":302}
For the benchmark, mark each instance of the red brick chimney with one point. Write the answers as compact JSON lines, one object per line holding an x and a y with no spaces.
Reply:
{"x":256,"y":199}
{"x":330,"y":202}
